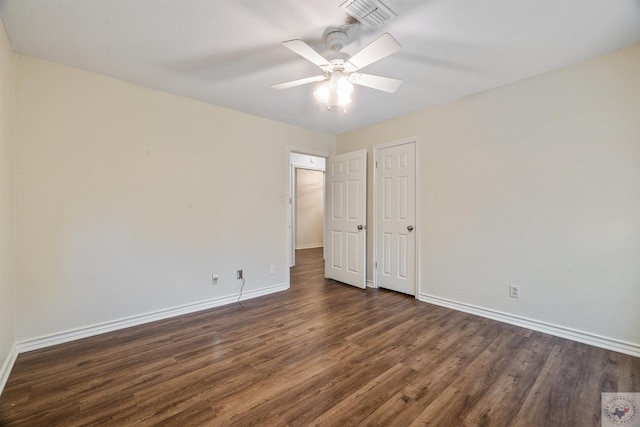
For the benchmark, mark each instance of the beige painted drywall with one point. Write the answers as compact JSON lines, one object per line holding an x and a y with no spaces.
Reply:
{"x":7,"y":278}
{"x":310,"y":208}
{"x":535,"y":184}
{"x":129,"y":199}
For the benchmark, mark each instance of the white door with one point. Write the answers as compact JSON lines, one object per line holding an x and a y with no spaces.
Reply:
{"x":346,"y":214}
{"x":395,"y":217}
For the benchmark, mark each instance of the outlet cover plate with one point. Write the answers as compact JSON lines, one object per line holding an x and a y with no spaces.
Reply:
{"x":514,"y":291}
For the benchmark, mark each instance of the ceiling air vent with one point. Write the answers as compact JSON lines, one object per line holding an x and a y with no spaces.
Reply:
{"x":370,"y":13}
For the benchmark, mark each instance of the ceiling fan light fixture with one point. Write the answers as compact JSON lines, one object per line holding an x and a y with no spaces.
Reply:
{"x":344,"y":88}
{"x":336,"y":91}
{"x":323,"y":93}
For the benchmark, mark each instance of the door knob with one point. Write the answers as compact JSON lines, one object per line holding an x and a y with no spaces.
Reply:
{"x":360,"y":227}
{"x":410,"y":227}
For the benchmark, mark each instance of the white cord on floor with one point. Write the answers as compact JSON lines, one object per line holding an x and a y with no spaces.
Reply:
{"x":240,"y":296}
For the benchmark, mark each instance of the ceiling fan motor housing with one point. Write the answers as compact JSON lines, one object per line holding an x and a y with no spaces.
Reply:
{"x":337,"y":39}
{"x":335,"y":65}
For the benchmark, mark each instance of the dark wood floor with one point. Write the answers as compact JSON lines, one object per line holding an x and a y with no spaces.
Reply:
{"x":321,"y":353}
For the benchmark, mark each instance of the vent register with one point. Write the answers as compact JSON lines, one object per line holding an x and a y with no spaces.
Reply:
{"x":370,"y":13}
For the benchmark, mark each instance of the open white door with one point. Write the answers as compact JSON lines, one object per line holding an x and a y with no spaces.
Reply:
{"x":346,"y":215}
{"x":395,"y":214}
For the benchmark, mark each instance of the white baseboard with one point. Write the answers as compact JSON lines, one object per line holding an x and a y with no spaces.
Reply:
{"x":370,"y":284}
{"x":310,"y":246}
{"x":536,"y":325}
{"x":101,"y":328}
{"x":7,"y":366}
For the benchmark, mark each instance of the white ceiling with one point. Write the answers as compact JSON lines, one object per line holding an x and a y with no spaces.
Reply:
{"x":228,"y":52}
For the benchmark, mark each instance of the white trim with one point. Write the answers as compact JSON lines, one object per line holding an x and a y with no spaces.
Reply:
{"x":374,"y":256}
{"x":292,"y":214}
{"x":417,"y":220}
{"x":370,"y":284}
{"x":7,"y":366}
{"x":397,"y":142}
{"x":536,"y":325}
{"x":376,"y":149}
{"x":310,"y":246}
{"x":127,"y":322}
{"x":307,"y":151}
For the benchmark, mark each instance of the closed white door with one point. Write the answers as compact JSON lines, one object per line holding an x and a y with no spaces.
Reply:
{"x":345,"y":215}
{"x":395,"y":217}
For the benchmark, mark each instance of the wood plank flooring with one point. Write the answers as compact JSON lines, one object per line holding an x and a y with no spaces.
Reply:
{"x":324,"y":354}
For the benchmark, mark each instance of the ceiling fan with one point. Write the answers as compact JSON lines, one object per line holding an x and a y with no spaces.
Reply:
{"x":339,"y":74}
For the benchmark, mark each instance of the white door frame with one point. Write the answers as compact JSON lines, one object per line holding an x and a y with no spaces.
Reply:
{"x":291,"y":211}
{"x":416,"y":263}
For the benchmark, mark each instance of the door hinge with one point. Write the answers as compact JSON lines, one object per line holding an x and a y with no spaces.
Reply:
{"x":376,"y":164}
{"x":376,"y":267}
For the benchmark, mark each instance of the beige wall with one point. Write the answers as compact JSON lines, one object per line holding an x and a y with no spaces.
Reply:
{"x":7,"y":278}
{"x":129,"y":199}
{"x":310,"y":208}
{"x":535,"y":184}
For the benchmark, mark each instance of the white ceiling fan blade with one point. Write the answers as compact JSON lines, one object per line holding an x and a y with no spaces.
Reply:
{"x":385,"y":84}
{"x":300,"y":82}
{"x":381,"y":47}
{"x":306,"y":51}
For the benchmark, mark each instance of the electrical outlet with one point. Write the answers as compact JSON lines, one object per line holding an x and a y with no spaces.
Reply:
{"x":239,"y":275}
{"x":514,"y":291}
{"x":272,"y":270}
{"x":215,"y":279}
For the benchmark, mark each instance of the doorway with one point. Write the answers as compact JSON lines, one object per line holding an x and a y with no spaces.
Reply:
{"x":309,"y":207}
{"x":344,"y":242}
{"x":306,"y":177}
